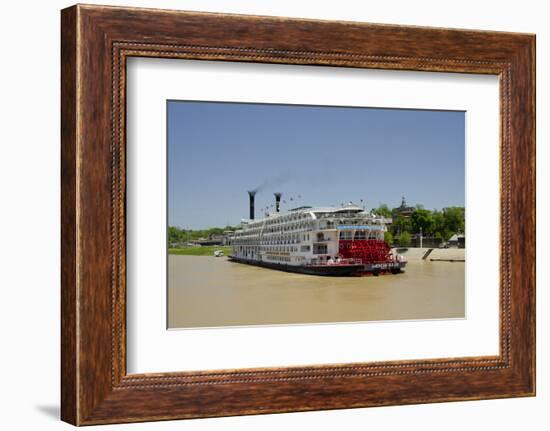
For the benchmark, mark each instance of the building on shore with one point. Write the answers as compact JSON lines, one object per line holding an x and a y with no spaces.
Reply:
{"x":403,"y":210}
{"x":457,"y":240}
{"x":418,"y":240}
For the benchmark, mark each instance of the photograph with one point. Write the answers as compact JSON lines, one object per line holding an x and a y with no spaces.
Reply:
{"x":285,"y":214}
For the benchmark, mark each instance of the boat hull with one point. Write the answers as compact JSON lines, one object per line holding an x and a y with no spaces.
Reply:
{"x":385,"y":267}
{"x":324,"y":270}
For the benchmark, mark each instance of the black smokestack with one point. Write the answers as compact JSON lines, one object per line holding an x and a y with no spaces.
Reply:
{"x":251,"y":195}
{"x":277,"y":201}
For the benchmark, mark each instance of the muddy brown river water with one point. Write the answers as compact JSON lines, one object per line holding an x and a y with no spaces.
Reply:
{"x":212,"y":292}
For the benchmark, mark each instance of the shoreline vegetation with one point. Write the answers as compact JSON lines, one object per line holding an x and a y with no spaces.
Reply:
{"x":407,"y":223}
{"x":177,"y":234}
{"x":205,"y":250}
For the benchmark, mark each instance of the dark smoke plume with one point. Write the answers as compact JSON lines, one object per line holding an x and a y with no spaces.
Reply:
{"x":275,"y":181}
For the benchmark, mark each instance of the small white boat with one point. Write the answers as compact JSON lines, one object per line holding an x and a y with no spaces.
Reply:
{"x":218,"y":253}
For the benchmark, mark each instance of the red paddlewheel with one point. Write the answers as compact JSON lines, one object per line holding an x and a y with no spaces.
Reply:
{"x":368,"y":250}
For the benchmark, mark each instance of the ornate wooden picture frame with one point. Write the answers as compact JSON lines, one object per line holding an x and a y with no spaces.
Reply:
{"x":96,"y":41}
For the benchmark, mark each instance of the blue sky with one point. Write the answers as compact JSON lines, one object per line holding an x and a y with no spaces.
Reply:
{"x":326,"y":155}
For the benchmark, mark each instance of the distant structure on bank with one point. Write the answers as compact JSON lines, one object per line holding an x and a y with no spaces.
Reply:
{"x":418,"y":239}
{"x":210,"y":240}
{"x":457,"y":240}
{"x":403,"y":210}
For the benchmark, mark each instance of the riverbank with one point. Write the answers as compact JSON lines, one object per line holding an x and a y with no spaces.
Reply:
{"x":433,"y":254}
{"x":207,"y":250}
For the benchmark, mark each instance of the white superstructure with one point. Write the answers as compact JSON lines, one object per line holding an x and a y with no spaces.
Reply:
{"x":306,"y":235}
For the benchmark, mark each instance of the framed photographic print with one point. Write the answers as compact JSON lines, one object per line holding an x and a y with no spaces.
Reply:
{"x":266,"y":215}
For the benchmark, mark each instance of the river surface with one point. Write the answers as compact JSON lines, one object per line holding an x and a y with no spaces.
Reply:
{"x":205,"y":291}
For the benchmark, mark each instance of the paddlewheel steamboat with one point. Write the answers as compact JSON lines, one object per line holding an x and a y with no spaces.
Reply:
{"x":332,"y":241}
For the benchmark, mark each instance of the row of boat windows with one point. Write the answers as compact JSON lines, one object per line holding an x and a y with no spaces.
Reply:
{"x":360,"y":234}
{"x":279,"y":258}
{"x":251,"y":250}
{"x":294,"y":239}
{"x":276,"y":229}
{"x":288,"y":239}
{"x":340,"y":214}
{"x":290,"y":227}
{"x":279,"y":248}
{"x":340,"y":217}
{"x":282,"y":219}
{"x":256,"y":243}
{"x":273,"y":236}
{"x":328,"y":223}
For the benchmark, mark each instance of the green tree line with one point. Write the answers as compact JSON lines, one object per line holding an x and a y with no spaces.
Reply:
{"x":438,"y":224}
{"x":177,"y":235}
